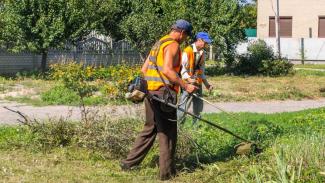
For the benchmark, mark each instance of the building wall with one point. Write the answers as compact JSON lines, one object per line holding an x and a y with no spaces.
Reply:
{"x":313,"y":49}
{"x":305,"y":14}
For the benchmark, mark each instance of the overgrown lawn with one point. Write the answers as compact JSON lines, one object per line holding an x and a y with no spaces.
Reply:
{"x":302,"y":85}
{"x":293,"y":146}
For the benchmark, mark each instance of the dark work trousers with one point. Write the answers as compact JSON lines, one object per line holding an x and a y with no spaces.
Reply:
{"x":157,"y":123}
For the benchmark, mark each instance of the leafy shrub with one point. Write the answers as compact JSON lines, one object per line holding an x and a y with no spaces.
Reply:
{"x":278,"y":67}
{"x":108,"y":136}
{"x":74,"y":76}
{"x":116,"y":79}
{"x":112,"y":81}
{"x":103,"y":135}
{"x":216,"y":69}
{"x":52,"y":134}
{"x":260,"y":60}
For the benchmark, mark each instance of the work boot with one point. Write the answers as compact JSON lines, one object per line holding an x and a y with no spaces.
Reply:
{"x":124,"y":167}
{"x":165,"y":177}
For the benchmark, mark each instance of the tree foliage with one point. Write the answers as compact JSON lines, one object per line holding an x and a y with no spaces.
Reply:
{"x":40,"y":25}
{"x":110,"y":14}
{"x":145,"y":24}
{"x":149,"y":20}
{"x":249,"y":13}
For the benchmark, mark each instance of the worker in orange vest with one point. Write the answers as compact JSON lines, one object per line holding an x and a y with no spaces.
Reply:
{"x":193,"y":67}
{"x":161,"y":70}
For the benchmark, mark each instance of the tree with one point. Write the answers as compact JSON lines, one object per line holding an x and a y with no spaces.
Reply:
{"x":249,"y":13}
{"x":1,"y":22}
{"x":40,"y":25}
{"x":221,"y":18}
{"x":149,"y":20}
{"x":145,"y":24}
{"x":110,"y":15}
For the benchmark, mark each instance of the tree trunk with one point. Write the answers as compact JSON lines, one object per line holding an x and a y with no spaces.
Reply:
{"x":44,"y":60}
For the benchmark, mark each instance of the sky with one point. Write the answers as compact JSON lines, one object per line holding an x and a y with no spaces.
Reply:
{"x":249,"y":1}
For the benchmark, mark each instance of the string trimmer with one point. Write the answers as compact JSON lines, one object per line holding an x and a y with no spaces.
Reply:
{"x":246,"y":147}
{"x":137,"y":92}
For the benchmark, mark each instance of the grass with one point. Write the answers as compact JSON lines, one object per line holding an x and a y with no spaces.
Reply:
{"x":24,"y":90}
{"x":39,"y":92}
{"x":302,"y":85}
{"x":310,"y":66}
{"x":293,"y":152}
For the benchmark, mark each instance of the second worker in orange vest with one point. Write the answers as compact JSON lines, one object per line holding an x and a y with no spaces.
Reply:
{"x":193,"y":66}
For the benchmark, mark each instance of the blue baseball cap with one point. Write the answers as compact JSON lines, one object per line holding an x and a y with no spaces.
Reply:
{"x":204,"y":36}
{"x":183,"y":25}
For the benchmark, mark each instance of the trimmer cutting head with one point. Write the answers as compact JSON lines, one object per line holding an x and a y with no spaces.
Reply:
{"x":247,"y":148}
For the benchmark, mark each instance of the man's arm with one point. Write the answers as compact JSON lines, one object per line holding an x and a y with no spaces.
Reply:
{"x":145,"y":66}
{"x":171,"y":55}
{"x":184,"y":72}
{"x":204,"y":79}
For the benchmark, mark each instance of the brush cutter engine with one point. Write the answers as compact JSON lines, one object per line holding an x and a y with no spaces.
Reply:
{"x":137,"y":90}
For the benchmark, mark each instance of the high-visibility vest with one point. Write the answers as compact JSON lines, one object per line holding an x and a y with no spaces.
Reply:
{"x":192,"y":69}
{"x":157,"y":56}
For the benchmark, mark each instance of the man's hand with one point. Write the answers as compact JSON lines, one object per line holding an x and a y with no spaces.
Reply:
{"x":189,"y":88}
{"x":191,"y":81}
{"x":210,"y":87}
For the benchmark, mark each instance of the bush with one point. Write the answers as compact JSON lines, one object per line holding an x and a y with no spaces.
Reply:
{"x":276,"y":67}
{"x":53,"y":134}
{"x":260,"y":60}
{"x":215,"y":69}
{"x":112,"y":81}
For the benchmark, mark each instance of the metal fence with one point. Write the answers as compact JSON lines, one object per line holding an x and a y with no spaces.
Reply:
{"x":91,"y":52}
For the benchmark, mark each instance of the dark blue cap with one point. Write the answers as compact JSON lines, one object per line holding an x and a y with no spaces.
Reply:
{"x":204,"y":36}
{"x":183,"y":25}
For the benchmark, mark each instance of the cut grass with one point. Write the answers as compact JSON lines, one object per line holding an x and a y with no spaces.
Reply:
{"x":293,"y":144}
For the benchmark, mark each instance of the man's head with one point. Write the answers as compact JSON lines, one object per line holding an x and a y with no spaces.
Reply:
{"x":202,"y":40}
{"x":181,"y":29}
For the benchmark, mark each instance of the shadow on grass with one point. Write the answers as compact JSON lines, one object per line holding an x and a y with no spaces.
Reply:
{"x":262,"y":131}
{"x":202,"y":157}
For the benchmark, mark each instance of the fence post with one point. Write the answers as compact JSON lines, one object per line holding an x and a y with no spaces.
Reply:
{"x":211,"y":53}
{"x":302,"y":50}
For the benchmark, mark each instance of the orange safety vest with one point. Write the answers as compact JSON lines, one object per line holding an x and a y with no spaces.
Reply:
{"x":157,"y":56}
{"x":192,"y":69}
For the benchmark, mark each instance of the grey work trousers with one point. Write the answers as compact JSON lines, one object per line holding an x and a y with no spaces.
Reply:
{"x":186,"y":100}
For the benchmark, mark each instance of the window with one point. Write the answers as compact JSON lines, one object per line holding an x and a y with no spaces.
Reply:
{"x":321,"y":27}
{"x":285,"y":27}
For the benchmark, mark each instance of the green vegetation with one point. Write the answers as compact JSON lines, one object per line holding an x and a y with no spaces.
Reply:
{"x":221,"y":18}
{"x":108,"y":86}
{"x":39,"y":25}
{"x":301,"y":85}
{"x":260,"y":60}
{"x":311,"y":66}
{"x":32,"y":26}
{"x":61,"y":151}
